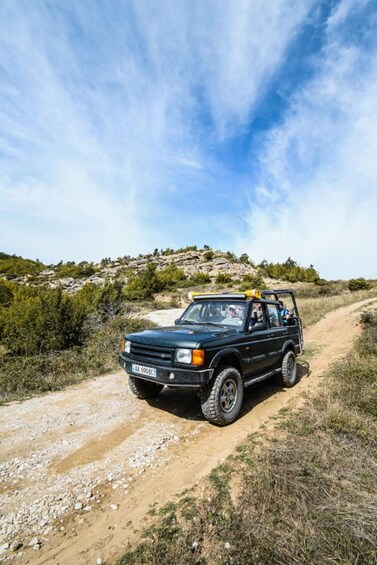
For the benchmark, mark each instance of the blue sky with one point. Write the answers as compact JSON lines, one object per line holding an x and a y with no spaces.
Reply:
{"x":246,"y":125}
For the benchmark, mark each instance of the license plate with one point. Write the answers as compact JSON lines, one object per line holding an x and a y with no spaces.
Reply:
{"x":146,"y":371}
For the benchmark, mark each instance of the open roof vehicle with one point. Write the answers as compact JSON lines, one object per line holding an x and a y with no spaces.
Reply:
{"x":222,"y":343}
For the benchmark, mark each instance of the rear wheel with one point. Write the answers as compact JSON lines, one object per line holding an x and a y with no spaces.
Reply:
{"x":144,"y":389}
{"x":221,"y":400}
{"x":289,"y":369}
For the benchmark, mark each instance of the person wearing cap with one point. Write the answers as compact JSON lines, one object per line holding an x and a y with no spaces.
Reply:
{"x":233,"y":316}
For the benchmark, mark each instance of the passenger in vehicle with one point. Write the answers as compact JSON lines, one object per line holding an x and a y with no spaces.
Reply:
{"x":235,"y":316}
{"x":285,"y":313}
{"x":257,"y":312}
{"x":215,"y":313}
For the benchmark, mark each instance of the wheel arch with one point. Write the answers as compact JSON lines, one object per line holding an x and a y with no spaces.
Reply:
{"x":289,"y":345}
{"x":229,"y":357}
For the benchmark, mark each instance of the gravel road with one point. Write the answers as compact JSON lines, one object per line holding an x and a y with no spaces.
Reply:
{"x":80,"y":468}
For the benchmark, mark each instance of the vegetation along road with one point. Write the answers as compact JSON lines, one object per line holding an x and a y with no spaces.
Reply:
{"x":80,"y":468}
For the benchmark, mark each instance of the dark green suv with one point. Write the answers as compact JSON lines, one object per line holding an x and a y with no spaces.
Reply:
{"x":221,"y":344}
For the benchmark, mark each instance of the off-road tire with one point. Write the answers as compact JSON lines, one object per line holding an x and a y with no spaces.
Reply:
{"x":288,"y":375}
{"x":221,"y":399}
{"x":144,"y":389}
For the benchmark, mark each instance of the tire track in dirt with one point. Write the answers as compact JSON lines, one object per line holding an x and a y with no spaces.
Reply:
{"x":195,"y":446}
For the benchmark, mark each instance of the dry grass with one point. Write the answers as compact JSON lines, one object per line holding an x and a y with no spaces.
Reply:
{"x":313,"y":309}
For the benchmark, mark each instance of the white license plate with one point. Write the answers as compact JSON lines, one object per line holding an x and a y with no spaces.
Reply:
{"x":147,"y":371}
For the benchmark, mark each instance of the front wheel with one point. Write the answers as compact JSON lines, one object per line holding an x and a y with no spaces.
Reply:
{"x":289,"y":369}
{"x":221,"y":400}
{"x":144,"y":389}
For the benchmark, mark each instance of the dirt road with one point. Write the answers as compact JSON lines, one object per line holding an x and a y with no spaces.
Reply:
{"x":80,"y":468}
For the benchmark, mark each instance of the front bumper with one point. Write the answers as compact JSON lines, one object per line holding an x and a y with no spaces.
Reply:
{"x":172,"y":376}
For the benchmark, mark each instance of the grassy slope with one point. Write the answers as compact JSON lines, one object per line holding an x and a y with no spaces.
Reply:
{"x":304,"y":493}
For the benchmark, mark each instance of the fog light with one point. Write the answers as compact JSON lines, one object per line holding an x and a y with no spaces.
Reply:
{"x":171,"y":376}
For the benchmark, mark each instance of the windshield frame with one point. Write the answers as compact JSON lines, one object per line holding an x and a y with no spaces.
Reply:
{"x":206,"y":313}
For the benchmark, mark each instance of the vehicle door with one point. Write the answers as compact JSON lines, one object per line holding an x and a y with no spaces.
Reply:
{"x":277,"y":334}
{"x":256,"y":350}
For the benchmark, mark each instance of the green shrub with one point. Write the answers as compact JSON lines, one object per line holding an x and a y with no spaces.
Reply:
{"x":70,"y":269}
{"x":252,"y":281}
{"x":199,"y":278}
{"x":25,"y":375}
{"x":6,"y":293}
{"x":109,"y":301}
{"x":223,"y":278}
{"x":231,"y":256}
{"x":171,"y":276}
{"x":208,"y":255}
{"x":14,"y":266}
{"x":290,"y":271}
{"x":42,"y":320}
{"x":358,"y":284}
{"x":144,"y":285}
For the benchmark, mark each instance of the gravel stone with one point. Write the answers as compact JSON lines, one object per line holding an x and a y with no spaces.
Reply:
{"x":34,"y":494}
{"x":16,"y":545}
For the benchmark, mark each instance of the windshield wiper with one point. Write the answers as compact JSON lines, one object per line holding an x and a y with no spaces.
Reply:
{"x":189,"y":322}
{"x":211,"y":324}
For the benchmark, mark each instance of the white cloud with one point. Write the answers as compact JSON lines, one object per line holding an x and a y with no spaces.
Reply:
{"x":319,"y":168}
{"x":103,"y":105}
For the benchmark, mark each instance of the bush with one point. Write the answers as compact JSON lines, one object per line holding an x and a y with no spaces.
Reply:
{"x":252,"y":281}
{"x":358,"y":284}
{"x":12,"y":265}
{"x":290,"y":271}
{"x":24,"y":375}
{"x":70,"y":269}
{"x":48,"y":320}
{"x":6,"y":294}
{"x":223,"y":278}
{"x":199,"y":278}
{"x":208,"y":255}
{"x":171,"y":276}
{"x":144,"y":285}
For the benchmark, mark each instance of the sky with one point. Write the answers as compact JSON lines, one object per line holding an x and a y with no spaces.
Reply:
{"x":245,"y":125}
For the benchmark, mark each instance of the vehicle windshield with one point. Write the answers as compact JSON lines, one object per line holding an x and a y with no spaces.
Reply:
{"x":216,"y":312}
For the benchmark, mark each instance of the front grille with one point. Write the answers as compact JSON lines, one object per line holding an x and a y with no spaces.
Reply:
{"x":152,"y":354}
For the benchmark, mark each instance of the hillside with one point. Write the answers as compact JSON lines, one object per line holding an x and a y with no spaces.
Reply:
{"x":189,"y":267}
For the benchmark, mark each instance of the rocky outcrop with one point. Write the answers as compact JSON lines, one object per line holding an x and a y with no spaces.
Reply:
{"x":191,"y":262}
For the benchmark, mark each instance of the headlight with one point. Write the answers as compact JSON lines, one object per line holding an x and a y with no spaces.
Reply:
{"x":183,"y":355}
{"x":127,"y":346}
{"x":189,"y":356}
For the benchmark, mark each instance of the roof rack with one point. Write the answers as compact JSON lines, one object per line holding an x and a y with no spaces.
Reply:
{"x":247,"y":294}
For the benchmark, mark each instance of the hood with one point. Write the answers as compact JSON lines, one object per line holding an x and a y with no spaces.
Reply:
{"x":180,"y":336}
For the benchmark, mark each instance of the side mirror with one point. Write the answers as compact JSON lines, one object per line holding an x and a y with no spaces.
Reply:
{"x":258,"y":326}
{"x":176,"y":322}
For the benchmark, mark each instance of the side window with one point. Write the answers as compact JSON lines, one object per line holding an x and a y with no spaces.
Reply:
{"x":274,"y":316}
{"x":256,"y":315}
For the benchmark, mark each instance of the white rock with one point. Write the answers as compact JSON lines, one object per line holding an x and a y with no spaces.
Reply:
{"x":4,"y":547}
{"x":87,"y":508}
{"x":114,"y":506}
{"x":34,"y":541}
{"x":99,"y":561}
{"x":78,"y":505}
{"x":16,"y":545}
{"x":227,"y":545}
